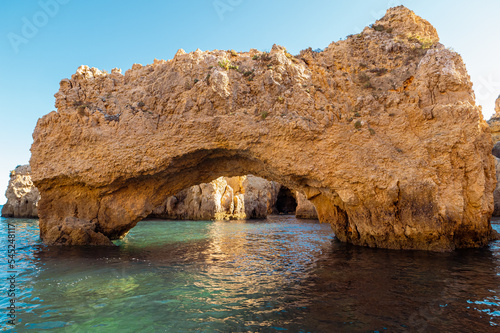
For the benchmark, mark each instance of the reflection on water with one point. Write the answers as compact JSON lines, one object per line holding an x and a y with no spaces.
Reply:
{"x":270,"y":275}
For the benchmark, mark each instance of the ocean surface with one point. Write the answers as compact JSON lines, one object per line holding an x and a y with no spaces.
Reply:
{"x":273,"y":275}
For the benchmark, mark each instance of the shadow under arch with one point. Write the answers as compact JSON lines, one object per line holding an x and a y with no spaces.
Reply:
{"x":200,"y":166}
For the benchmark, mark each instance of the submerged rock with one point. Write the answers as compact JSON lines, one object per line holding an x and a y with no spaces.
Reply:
{"x":380,"y":131}
{"x":22,"y":195}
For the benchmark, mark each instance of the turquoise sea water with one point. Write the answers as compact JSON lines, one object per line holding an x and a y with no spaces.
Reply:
{"x":279,"y":274}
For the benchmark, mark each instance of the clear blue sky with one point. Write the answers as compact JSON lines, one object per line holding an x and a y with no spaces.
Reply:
{"x":108,"y":34}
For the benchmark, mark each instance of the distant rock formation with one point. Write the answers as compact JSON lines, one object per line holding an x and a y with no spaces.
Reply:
{"x":241,"y":197}
{"x":245,"y":197}
{"x":305,"y":208}
{"x":22,"y":195}
{"x":494,"y":124}
{"x":496,"y":150}
{"x":255,"y":196}
{"x":496,"y":193}
{"x":380,"y":131}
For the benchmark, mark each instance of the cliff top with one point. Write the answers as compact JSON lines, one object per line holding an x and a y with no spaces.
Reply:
{"x":404,"y":22}
{"x":22,"y":169}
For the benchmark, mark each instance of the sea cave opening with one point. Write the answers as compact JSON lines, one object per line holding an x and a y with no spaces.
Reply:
{"x":234,"y":198}
{"x":286,"y":203}
{"x":207,"y":186}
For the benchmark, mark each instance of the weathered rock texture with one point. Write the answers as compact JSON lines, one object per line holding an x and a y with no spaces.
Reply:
{"x":22,"y":195}
{"x":380,"y":131}
{"x":496,"y":193}
{"x":496,"y":149}
{"x":494,"y":123}
{"x":305,"y":208}
{"x":245,"y":197}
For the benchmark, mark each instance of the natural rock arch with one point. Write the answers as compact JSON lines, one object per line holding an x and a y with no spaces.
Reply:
{"x":380,"y":131}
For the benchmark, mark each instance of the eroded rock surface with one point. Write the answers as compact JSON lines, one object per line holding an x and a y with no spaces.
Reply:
{"x":496,"y":193}
{"x":305,"y":208}
{"x":496,"y":150}
{"x":75,"y":231}
{"x":22,"y":195}
{"x":380,"y":131}
{"x":494,"y":124}
{"x":245,"y":197}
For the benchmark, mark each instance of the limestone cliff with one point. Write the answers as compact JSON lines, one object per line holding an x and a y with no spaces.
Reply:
{"x":22,"y":195}
{"x":305,"y":208}
{"x":380,"y":131}
{"x":245,"y":197}
{"x":254,"y":196}
{"x":494,"y":123}
{"x":496,"y":193}
{"x":496,"y":149}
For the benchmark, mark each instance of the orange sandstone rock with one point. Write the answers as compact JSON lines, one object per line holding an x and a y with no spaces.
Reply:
{"x":494,"y":124}
{"x":305,"y":208}
{"x":380,"y":131}
{"x":22,"y":196}
{"x":235,"y":198}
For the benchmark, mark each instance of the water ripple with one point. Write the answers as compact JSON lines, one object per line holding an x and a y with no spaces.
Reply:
{"x":273,"y":275}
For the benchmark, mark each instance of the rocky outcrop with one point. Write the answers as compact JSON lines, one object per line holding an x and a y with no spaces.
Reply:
{"x":305,"y":208}
{"x":495,"y":129}
{"x":496,"y":193}
{"x":199,"y":202}
{"x":494,"y":123}
{"x":380,"y":131}
{"x":22,"y":195}
{"x":75,"y":231}
{"x":254,"y":196}
{"x":496,"y":150}
{"x":245,"y":197}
